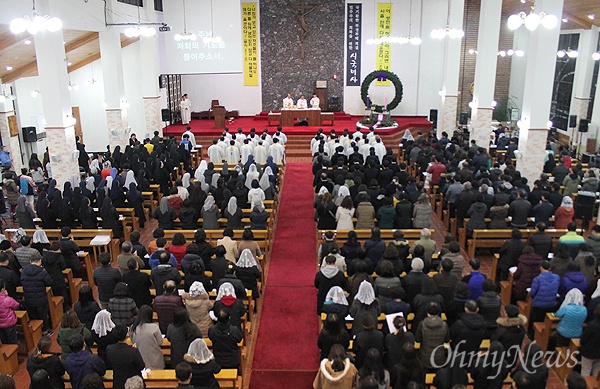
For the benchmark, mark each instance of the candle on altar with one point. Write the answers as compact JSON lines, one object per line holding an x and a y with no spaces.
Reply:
{"x":385,"y":101}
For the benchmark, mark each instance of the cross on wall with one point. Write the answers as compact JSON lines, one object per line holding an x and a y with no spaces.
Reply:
{"x":302,"y":11}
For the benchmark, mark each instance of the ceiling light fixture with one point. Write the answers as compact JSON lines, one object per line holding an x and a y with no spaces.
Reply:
{"x":185,"y":35}
{"x":532,"y":21}
{"x":565,"y":20}
{"x":511,"y":52}
{"x":596,"y":56}
{"x":139,"y":29}
{"x":591,"y":16}
{"x":9,"y":68}
{"x":27,"y":42}
{"x":212,"y":38}
{"x":35,"y":93}
{"x":35,"y":23}
{"x":450,"y":32}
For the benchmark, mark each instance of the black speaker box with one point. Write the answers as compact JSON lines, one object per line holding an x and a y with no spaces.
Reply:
{"x":584,"y":205}
{"x":166,"y":114}
{"x":572,"y":121}
{"x":433,"y":116}
{"x":29,"y":134}
{"x":464,"y":119}
{"x":583,"y":125}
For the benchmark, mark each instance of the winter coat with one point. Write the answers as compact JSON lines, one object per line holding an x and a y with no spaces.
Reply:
{"x":527,"y":269}
{"x":510,"y":331}
{"x":544,"y":289}
{"x":189,"y":218}
{"x":541,"y":243}
{"x":446,"y":285}
{"x":432,"y":332}
{"x":562,"y":217}
{"x":590,"y":341}
{"x":572,"y":318}
{"x":138,"y":284}
{"x":344,"y":218}
{"x":476,"y":215}
{"x":180,"y":341}
{"x":328,"y":379}
{"x":210,"y":218}
{"x":383,"y":287}
{"x":509,"y":254}
{"x":325,"y":279}
{"x":470,"y":329}
{"x":52,"y":364}
{"x":198,"y":308}
{"x":498,"y":214}
{"x":82,"y":363}
{"x":35,"y":280}
{"x":8,"y":305}
{"x":165,"y":305}
{"x":404,"y":215}
{"x":163,"y":273}
{"x":54,"y":263}
{"x":325,"y":216}
{"x":364,"y":341}
{"x":422,"y":216}
{"x":148,"y":340}
{"x":106,"y":277}
{"x":572,"y":280}
{"x":593,"y":243}
{"x":489,"y":307}
{"x":365,"y":214}
{"x":225,"y":339}
{"x":358,"y":309}
{"x":258,"y":220}
{"x":571,"y":185}
{"x":386,"y":215}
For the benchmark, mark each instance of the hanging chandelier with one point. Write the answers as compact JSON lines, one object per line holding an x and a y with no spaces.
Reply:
{"x":139,"y":29}
{"x":448,"y":31}
{"x":568,"y":52}
{"x":532,"y":20}
{"x":413,"y":40}
{"x":185,"y":35}
{"x":35,"y":23}
{"x":212,"y":38}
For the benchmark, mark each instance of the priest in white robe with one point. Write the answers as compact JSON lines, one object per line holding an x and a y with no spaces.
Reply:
{"x":277,"y":151}
{"x":260,"y":153}
{"x":189,"y":133}
{"x":246,"y":150}
{"x":315,"y":101}
{"x":232,"y":155}
{"x":288,"y":102}
{"x":302,"y":104}
{"x":186,"y":109}
{"x":215,"y":155}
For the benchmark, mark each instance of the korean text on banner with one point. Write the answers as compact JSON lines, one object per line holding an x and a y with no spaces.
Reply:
{"x":250,"y":42}
{"x":384,"y":29}
{"x":353,"y":43}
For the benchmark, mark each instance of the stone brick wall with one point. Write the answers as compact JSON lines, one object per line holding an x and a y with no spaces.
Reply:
{"x":467,"y":61}
{"x":283,"y":69}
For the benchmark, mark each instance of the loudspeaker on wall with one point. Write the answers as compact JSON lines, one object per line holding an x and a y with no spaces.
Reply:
{"x":464,"y":119}
{"x":583,"y":125}
{"x":433,"y":116}
{"x":166,"y":114}
{"x":29,"y":134}
{"x":572,"y":121}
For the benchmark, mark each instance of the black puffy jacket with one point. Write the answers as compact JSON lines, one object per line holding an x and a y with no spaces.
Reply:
{"x":35,"y":280}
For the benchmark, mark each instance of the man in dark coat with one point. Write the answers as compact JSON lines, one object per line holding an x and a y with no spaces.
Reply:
{"x":540,"y":241}
{"x":225,"y":339}
{"x":446,"y":281}
{"x":165,"y":305}
{"x":9,"y":276}
{"x":35,"y":280}
{"x":489,"y":304}
{"x":328,"y":277}
{"x":138,"y":284}
{"x":126,"y":360}
{"x":164,"y":272}
{"x":519,"y":210}
{"x":106,"y":278}
{"x":413,"y":280}
{"x":69,"y":250}
{"x":82,"y":362}
{"x":464,"y":200}
{"x":468,"y":332}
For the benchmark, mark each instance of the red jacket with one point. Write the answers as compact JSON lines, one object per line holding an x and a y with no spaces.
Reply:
{"x":165,"y":305}
{"x":436,"y":170}
{"x":8,"y":305}
{"x":178,"y":252}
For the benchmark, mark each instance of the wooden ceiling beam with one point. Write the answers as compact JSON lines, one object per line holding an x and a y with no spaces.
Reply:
{"x":583,"y":23}
{"x":81,"y":41}
{"x":82,"y":63}
{"x":7,"y":41}
{"x":25,"y":70}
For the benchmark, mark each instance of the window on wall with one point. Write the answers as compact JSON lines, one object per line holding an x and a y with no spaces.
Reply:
{"x":139,"y":3}
{"x":563,"y":82}
{"x":158,"y":5}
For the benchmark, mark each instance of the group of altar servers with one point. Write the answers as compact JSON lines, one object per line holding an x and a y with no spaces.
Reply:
{"x":236,"y":148}
{"x":347,"y":142}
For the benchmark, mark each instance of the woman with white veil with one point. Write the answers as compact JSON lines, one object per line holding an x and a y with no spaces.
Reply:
{"x":266,"y":185}
{"x":251,"y":175}
{"x":342,"y":192}
{"x":255,"y":193}
{"x":248,"y":271}
{"x":259,"y":216}
{"x":130,"y":178}
{"x":573,"y":314}
{"x":227,"y":300}
{"x":234,"y":214}
{"x":210,"y":214}
{"x":199,"y":173}
{"x":336,"y":302}
{"x":203,"y":365}
{"x":365,"y":303}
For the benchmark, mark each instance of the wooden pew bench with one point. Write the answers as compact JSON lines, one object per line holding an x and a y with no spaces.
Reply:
{"x":30,"y":331}
{"x":74,"y":285}
{"x":341,"y":236}
{"x":55,"y":305}
{"x":164,"y":379}
{"x":496,"y":238}
{"x":9,"y":359}
{"x":564,"y":365}
{"x":545,"y":330}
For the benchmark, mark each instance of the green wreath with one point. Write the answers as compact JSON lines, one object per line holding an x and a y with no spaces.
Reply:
{"x":381,"y":75}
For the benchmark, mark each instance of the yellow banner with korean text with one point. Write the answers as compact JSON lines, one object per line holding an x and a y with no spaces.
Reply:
{"x":384,"y":29}
{"x":250,"y":43}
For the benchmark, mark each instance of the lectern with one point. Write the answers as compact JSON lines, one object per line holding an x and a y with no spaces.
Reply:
{"x":219,"y":112}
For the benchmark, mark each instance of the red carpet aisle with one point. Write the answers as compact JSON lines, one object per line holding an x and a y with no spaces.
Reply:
{"x":286,"y":353}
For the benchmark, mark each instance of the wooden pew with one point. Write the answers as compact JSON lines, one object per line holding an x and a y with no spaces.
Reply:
{"x":496,"y":238}
{"x":543,"y":330}
{"x":9,"y":359}
{"x":506,"y":289}
{"x":525,"y":307}
{"x":564,"y":365}
{"x":164,"y":379}
{"x":30,"y":330}
{"x":494,"y":270}
{"x":74,"y":285}
{"x":55,"y":307}
{"x":411,"y":235}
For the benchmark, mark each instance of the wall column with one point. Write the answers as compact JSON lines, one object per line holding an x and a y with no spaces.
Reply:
{"x":485,"y":71}
{"x":114,"y":87}
{"x":452,"y":47}
{"x":582,"y":82}
{"x":56,"y":102}
{"x":150,"y":71}
{"x":537,"y":96}
{"x":11,"y":142}
{"x":595,"y":119}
